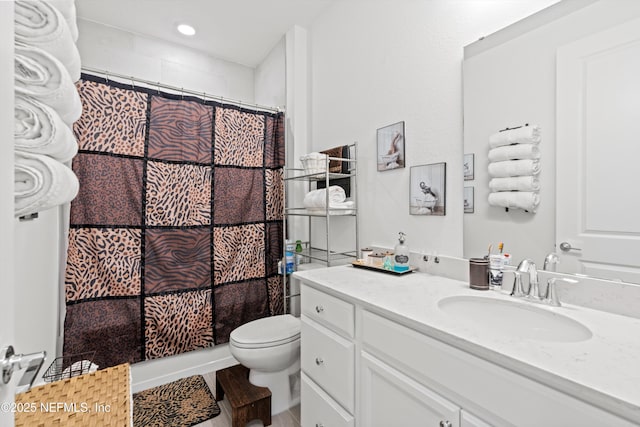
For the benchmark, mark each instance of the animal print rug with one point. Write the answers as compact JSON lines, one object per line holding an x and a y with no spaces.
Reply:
{"x":182,"y":403}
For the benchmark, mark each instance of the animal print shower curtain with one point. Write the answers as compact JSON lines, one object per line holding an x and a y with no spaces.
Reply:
{"x":176,"y":232}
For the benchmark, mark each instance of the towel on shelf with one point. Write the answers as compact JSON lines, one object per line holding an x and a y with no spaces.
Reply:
{"x":336,"y":208}
{"x":68,"y":9}
{"x":42,"y":77}
{"x":39,"y":24}
{"x":515,"y":183}
{"x":318,"y":198}
{"x":41,"y":183}
{"x":509,"y":168}
{"x":516,"y":151}
{"x":39,"y":129}
{"x":521,"y":135}
{"x":527,"y":200}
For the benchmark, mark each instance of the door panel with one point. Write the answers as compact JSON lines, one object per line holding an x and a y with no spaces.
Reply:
{"x":6,"y":201}
{"x":598,"y":149}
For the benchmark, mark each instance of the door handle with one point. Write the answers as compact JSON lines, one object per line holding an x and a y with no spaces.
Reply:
{"x":566,"y":247}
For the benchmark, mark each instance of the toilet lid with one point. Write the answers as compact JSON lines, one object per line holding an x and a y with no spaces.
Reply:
{"x":267,"y":332}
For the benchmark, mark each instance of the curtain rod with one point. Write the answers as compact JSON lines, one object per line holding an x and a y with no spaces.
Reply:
{"x":204,"y":95}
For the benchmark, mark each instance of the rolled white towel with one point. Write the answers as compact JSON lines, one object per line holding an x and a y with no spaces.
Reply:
{"x":515,"y":183}
{"x":68,"y":10}
{"x":527,"y":200}
{"x":516,"y":151}
{"x":39,"y":129}
{"x":40,"y":24}
{"x":318,"y":198}
{"x":521,"y":135}
{"x":41,"y":183}
{"x":514,"y":168}
{"x":41,"y":76}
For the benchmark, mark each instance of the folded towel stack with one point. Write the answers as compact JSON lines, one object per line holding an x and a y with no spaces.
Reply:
{"x":315,"y":201}
{"x":514,"y":165}
{"x":47,"y":63}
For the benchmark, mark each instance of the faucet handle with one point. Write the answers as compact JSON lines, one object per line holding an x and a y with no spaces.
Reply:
{"x":551,"y":296}
{"x":517,"y":290}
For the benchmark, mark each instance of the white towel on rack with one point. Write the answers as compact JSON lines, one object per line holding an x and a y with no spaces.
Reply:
{"x":509,"y":168}
{"x":516,"y":151}
{"x":336,"y":208}
{"x":68,"y":9}
{"x":40,"y":24}
{"x":521,"y":135}
{"x":42,"y":77}
{"x":526,"y":200}
{"x":515,"y":183}
{"x":41,"y":183}
{"x":318,"y":198}
{"x":39,"y":129}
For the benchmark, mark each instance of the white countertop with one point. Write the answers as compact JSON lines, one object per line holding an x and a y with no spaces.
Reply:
{"x":603,"y":370}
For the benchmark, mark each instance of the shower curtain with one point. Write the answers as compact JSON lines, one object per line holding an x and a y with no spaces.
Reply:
{"x":176,"y":232}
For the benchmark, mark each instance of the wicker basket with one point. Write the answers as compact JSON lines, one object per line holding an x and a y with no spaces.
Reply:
{"x":69,"y":366}
{"x":314,"y":163}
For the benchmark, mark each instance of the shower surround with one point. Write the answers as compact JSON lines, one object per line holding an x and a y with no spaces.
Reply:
{"x":176,"y":233}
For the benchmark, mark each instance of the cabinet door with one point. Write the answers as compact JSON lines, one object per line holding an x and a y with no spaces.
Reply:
{"x":390,"y":398}
{"x":469,"y":420}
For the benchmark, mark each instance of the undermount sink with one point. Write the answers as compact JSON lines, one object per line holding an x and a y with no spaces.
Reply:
{"x":514,"y":318}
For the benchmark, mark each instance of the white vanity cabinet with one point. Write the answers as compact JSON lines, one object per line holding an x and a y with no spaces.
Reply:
{"x":379,"y":369}
{"x":327,"y":358}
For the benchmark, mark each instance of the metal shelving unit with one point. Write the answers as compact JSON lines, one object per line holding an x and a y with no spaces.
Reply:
{"x":311,"y":252}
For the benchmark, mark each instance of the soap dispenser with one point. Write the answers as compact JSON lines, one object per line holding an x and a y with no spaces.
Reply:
{"x":401,"y":254}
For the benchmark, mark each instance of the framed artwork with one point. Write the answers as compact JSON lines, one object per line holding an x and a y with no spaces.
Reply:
{"x":468,"y":199}
{"x":427,"y":192}
{"x":468,"y":166}
{"x":390,"y":140}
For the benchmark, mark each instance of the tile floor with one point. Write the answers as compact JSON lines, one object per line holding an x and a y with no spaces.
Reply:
{"x":290,"y":418}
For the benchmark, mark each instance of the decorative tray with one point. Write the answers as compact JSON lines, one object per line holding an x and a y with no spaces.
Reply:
{"x":361,"y":264}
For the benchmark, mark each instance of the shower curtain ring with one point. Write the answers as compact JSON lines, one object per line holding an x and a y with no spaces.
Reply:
{"x":106,"y":73}
{"x":133,"y":85}
{"x":204,"y":97}
{"x":182,"y":93}
{"x":158,"y":87}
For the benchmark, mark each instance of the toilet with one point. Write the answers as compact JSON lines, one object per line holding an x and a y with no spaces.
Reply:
{"x":270,"y":348}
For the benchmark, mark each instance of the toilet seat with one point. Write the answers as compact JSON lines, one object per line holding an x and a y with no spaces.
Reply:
{"x":266,"y":332}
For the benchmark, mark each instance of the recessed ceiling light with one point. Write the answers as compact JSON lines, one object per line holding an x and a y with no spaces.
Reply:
{"x":187,"y":30}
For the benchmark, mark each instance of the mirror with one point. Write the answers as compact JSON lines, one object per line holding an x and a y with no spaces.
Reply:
{"x":572,"y":71}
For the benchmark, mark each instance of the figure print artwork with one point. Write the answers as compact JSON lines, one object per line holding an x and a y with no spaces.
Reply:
{"x":391,"y":147}
{"x":468,"y":199}
{"x":428,"y":189}
{"x":468,"y":167}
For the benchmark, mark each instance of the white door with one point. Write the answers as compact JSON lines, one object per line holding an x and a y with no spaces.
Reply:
{"x":390,"y":398}
{"x":598,"y":154}
{"x":6,"y":201}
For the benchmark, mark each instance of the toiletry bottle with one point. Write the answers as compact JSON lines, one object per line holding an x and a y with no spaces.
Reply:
{"x":401,"y":251}
{"x":290,"y":262}
{"x":299,"y":259}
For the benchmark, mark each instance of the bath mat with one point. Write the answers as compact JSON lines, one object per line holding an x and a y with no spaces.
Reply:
{"x":182,"y":403}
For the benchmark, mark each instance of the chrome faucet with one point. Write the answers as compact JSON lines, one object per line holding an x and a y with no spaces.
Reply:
{"x":550,"y":262}
{"x":551,"y":296}
{"x":529,"y":267}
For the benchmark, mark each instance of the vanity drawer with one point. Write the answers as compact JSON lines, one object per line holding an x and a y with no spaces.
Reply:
{"x":319,"y":409}
{"x":328,"y":359}
{"x":328,"y":310}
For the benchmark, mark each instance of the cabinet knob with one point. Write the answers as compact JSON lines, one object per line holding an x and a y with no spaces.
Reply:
{"x":319,"y":361}
{"x":319,"y":309}
{"x":445,"y":424}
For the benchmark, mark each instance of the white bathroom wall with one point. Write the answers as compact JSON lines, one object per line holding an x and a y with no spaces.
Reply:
{"x":374,"y":63}
{"x":270,"y":77}
{"x":108,"y":48}
{"x":515,"y":74}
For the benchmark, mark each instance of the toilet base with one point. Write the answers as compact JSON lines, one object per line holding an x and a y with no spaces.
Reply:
{"x":284,"y":386}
